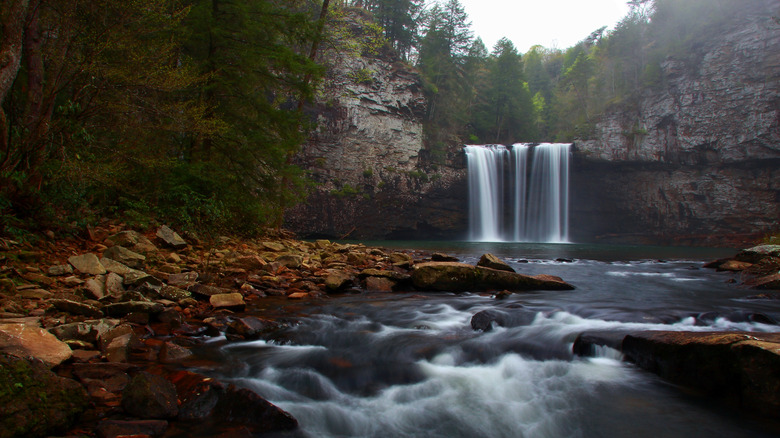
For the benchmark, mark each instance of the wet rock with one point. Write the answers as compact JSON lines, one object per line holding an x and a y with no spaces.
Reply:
{"x":25,"y":341}
{"x":137,"y":428}
{"x":734,"y":266}
{"x":172,"y":352}
{"x":231,"y":301}
{"x":127,"y":307}
{"x":249,"y":327}
{"x":76,"y":308}
{"x":250,"y":263}
{"x":337,"y":280}
{"x":458,"y":277}
{"x":60,"y":270}
{"x":380,"y":284}
{"x":125,"y":256}
{"x":133,"y":240}
{"x":758,"y":253}
{"x":744,"y":366}
{"x":208,"y":291}
{"x":150,"y":396}
{"x":441,"y":257}
{"x":392,"y":275}
{"x":484,"y":320}
{"x":102,"y":379}
{"x":298,"y":296}
{"x":588,"y":342}
{"x":493,"y":262}
{"x":36,"y":402}
{"x":170,"y":238}
{"x":87,"y":331}
{"x":769,"y":282}
{"x":87,"y":264}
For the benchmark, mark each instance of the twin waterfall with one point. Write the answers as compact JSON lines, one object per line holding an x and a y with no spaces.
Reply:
{"x":519,"y":195}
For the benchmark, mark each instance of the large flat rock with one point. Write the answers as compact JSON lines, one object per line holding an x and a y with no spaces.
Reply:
{"x":460,"y":277}
{"x":742,"y":366}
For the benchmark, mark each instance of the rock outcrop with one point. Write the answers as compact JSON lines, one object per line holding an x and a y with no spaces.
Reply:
{"x":367,"y":157}
{"x":700,"y":155}
{"x":741,"y":366}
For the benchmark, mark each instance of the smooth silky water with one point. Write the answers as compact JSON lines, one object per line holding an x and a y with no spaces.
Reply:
{"x":396,"y":365}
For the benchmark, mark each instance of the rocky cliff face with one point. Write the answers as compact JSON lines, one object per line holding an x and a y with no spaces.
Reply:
{"x":700,"y":158}
{"x":365,"y":158}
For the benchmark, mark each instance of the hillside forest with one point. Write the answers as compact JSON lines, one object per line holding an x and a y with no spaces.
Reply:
{"x":190,"y":111}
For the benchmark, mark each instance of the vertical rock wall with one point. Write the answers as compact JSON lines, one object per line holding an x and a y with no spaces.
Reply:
{"x":364,"y":156}
{"x":699,"y":162}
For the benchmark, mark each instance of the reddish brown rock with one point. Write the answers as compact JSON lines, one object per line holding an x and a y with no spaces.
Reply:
{"x":25,"y":340}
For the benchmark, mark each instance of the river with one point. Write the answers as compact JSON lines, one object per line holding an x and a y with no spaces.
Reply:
{"x":410,"y":365}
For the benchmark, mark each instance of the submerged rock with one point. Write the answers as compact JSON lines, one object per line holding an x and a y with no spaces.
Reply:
{"x":150,"y":396}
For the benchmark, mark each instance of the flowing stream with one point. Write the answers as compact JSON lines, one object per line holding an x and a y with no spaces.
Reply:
{"x":410,"y":365}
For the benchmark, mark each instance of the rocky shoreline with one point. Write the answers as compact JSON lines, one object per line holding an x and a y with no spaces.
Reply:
{"x":95,"y":333}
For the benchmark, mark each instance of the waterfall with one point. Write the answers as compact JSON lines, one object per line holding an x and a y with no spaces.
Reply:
{"x":535,"y":206}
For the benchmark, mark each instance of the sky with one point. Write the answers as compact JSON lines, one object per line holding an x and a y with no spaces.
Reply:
{"x":550,"y":23}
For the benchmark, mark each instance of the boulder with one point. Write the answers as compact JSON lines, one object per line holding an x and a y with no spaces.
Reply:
{"x":207,"y":399}
{"x":115,"y":267}
{"x":125,"y":256}
{"x":76,"y":308}
{"x":172,"y":352}
{"x":292,"y":261}
{"x":150,"y":396}
{"x":493,"y":262}
{"x":274,"y":246}
{"x":459,"y":277}
{"x":135,"y":278}
{"x":173,"y":293}
{"x":170,"y":238}
{"x":133,"y":240}
{"x":87,"y":264}
{"x":126,"y":307}
{"x":733,"y":265}
{"x":484,"y":320}
{"x":24,"y":340}
{"x":60,"y":270}
{"x":380,"y":284}
{"x":114,"y":284}
{"x":337,"y":280}
{"x":183,"y":278}
{"x":392,"y":275}
{"x":743,"y":366}
{"x":249,"y":327}
{"x":95,"y":287}
{"x":208,"y":291}
{"x":87,"y":331}
{"x":757,"y":253}
{"x":441,"y":257}
{"x":231,"y":301}
{"x":36,"y":402}
{"x":769,"y":282}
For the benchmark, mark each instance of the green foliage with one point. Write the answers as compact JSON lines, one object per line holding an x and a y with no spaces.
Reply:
{"x":345,"y":191}
{"x":362,"y":76}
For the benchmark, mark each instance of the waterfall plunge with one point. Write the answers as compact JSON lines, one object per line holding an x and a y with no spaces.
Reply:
{"x":520,"y":195}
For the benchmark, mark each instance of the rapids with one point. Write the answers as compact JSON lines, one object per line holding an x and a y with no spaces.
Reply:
{"x":398,"y":365}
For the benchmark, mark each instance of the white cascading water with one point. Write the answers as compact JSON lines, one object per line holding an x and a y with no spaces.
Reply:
{"x":538,"y":176}
{"x":486,"y":191}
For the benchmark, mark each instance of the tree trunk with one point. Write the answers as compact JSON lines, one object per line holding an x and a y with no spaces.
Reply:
{"x":14,"y":12}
